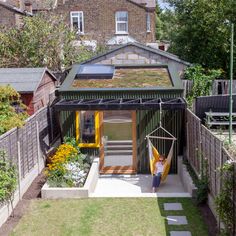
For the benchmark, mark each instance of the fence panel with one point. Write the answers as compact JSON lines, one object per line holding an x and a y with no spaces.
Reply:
{"x":193,"y":140}
{"x":211,"y":149}
{"x":27,"y":138}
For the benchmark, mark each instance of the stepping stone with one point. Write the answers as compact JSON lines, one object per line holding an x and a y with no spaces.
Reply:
{"x":180,"y":233}
{"x":177,"y":220}
{"x":173,"y":207}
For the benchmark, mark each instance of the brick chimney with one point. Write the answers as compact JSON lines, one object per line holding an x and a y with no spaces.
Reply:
{"x":61,"y":2}
{"x":28,"y":7}
{"x":19,"y":4}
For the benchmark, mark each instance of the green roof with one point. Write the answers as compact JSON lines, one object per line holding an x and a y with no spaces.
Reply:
{"x":129,"y":78}
{"x":125,"y":78}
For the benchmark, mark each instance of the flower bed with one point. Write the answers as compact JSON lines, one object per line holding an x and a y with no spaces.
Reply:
{"x":70,"y":173}
{"x":75,"y":192}
{"x":68,"y":167}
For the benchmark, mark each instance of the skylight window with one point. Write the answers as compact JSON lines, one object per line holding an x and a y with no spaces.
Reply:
{"x":95,"y":72}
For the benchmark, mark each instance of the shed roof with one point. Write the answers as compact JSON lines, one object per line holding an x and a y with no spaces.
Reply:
{"x":23,"y":80}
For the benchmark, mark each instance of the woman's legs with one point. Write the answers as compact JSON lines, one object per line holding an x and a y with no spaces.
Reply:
{"x":156,"y":181}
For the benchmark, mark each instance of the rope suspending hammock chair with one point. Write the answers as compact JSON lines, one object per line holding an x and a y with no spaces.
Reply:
{"x":153,"y":152}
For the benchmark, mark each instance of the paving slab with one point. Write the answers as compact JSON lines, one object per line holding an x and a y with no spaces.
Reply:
{"x":177,"y":220}
{"x":173,"y":207}
{"x":137,"y":186}
{"x":180,"y":233}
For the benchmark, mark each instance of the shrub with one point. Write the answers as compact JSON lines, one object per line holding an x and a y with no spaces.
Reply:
{"x":12,"y":111}
{"x":8,"y":180}
{"x":224,"y":200}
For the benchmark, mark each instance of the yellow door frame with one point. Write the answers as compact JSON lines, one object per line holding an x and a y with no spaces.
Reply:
{"x":97,"y":131}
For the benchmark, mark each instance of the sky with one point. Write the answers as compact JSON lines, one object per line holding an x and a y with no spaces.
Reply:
{"x":162,"y":4}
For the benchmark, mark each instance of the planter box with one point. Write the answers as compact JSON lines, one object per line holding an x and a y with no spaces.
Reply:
{"x":83,"y":192}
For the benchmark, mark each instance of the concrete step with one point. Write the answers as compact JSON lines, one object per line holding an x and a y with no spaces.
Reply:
{"x":119,"y":142}
{"x":119,"y":147}
{"x":118,"y":152}
{"x":118,"y":160}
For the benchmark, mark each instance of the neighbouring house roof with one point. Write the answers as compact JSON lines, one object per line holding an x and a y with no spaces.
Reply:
{"x":147,"y":3}
{"x":43,"y":5}
{"x":14,"y":9}
{"x":23,"y":80}
{"x":144,"y":47}
{"x":120,"y":39}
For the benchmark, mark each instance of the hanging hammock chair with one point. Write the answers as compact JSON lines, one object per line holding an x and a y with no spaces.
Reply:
{"x":153,"y":152}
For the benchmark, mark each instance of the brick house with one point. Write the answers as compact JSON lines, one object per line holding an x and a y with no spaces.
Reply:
{"x":108,"y":22}
{"x":12,"y":12}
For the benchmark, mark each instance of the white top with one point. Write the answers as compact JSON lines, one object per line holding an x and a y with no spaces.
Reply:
{"x":159,"y":167}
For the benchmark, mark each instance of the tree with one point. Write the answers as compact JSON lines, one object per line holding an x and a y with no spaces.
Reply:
{"x":159,"y":24}
{"x":165,"y":23}
{"x":168,"y":19}
{"x":202,"y":81}
{"x":43,"y":40}
{"x":202,"y":31}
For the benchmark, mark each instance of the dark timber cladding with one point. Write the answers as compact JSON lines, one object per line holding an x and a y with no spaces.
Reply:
{"x":144,"y":100}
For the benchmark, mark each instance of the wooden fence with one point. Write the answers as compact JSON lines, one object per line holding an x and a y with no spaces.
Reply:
{"x":202,"y":143}
{"x":25,"y":145}
{"x":219,"y":103}
{"x":219,"y":87}
{"x":27,"y":148}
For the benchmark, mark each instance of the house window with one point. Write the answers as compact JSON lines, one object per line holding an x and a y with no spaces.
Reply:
{"x":77,"y":21}
{"x":122,"y":22}
{"x":148,"y":22}
{"x":87,"y":129}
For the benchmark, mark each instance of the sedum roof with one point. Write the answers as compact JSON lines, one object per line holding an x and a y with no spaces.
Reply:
{"x":129,"y":78}
{"x":24,"y":80}
{"x":153,"y":77}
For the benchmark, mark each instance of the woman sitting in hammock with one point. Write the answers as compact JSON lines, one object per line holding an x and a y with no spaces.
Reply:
{"x":158,"y":170}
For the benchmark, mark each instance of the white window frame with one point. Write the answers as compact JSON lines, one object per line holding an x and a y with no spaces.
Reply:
{"x":148,"y":22}
{"x":78,"y":17}
{"x":118,"y":22}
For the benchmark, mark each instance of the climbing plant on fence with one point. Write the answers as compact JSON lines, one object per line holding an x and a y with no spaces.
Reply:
{"x":224,"y":200}
{"x":8,"y":180}
{"x":202,"y":81}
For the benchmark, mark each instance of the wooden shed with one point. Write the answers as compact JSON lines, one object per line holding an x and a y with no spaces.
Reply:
{"x":110,"y":109}
{"x":35,"y":85}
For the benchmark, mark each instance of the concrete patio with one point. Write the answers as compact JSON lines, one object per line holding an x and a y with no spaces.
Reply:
{"x":137,"y":186}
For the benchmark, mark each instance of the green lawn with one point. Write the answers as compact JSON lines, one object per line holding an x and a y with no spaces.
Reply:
{"x":106,"y":216}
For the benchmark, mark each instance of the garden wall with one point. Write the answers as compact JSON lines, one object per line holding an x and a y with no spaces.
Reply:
{"x":27,"y":148}
{"x":201,"y":142}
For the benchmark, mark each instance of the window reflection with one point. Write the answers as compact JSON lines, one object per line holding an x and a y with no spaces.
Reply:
{"x":87,"y":127}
